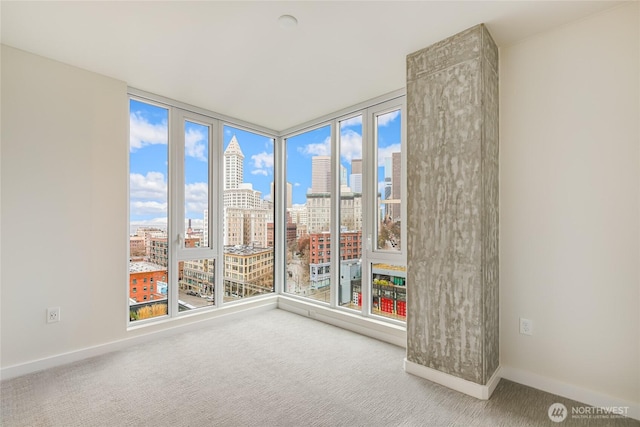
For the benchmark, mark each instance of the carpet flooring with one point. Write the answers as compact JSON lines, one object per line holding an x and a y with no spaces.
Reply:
{"x":271,"y":368}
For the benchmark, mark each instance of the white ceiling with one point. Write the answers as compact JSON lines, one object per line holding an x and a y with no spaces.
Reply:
{"x":233,"y":58}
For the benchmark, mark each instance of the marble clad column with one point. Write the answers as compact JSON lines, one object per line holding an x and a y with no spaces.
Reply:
{"x":452,"y":207}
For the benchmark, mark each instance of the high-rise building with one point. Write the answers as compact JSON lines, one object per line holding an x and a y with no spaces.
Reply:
{"x":343,"y":176}
{"x":318,"y":212}
{"x":245,"y":226}
{"x":243,"y":196}
{"x":351,"y":210}
{"x":356,"y":166}
{"x":387,"y":184}
{"x":233,"y":165}
{"x":321,"y":174}
{"x":396,"y":185}
{"x":355,"y":180}
{"x":245,"y":213}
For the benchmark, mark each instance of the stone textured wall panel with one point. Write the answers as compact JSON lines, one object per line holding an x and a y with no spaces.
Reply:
{"x":452,"y":177}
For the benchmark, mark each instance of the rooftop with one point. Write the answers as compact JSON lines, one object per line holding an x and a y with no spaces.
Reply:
{"x":144,"y":267}
{"x":245,"y":250}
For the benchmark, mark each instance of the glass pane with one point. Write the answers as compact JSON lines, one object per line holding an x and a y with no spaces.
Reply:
{"x":389,"y":173}
{"x":196,"y":283}
{"x":389,"y":291}
{"x":309,"y":216}
{"x":196,"y":179}
{"x":350,"y":287}
{"x":248,"y":225}
{"x":148,"y":159}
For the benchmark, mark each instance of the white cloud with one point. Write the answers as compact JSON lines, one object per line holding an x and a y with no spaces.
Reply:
{"x":296,"y":184}
{"x":143,"y":133}
{"x":151,"y":186}
{"x":148,"y":208}
{"x":385,"y":119}
{"x":354,"y":121}
{"x":385,"y":152}
{"x":196,"y":198}
{"x":317,"y":149}
{"x":195,"y":144}
{"x":263,"y":162}
{"x":350,"y":145}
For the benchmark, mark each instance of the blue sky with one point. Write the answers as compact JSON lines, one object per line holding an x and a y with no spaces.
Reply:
{"x":149,"y":160}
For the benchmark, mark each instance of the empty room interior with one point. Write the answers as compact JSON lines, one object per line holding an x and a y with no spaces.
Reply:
{"x":320,"y":213}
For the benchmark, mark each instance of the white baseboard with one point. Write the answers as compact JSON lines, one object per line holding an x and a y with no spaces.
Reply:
{"x":223,"y":314}
{"x":478,"y":391}
{"x":569,"y":391}
{"x":383,"y":331}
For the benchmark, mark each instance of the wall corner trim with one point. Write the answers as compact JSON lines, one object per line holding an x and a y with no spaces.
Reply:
{"x":479,"y":391}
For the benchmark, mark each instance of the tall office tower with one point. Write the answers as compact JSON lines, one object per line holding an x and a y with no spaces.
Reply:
{"x":396,"y":184}
{"x":245,"y":227}
{"x":355,"y":180}
{"x":343,"y":176}
{"x":289,"y":195}
{"x":387,"y":184}
{"x":233,"y":165}
{"x":356,"y":166}
{"x":321,"y":174}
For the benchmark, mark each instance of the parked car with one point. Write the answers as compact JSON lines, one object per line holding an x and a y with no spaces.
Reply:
{"x":193,"y":293}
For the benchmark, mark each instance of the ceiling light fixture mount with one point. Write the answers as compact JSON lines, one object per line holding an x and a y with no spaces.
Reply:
{"x":287,"y":22}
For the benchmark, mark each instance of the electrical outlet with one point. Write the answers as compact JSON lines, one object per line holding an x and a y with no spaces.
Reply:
{"x":53,"y":314}
{"x":526,"y":326}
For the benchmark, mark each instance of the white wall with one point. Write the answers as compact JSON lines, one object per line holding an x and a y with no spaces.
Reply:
{"x":64,"y":139}
{"x":569,"y":207}
{"x":64,"y":216}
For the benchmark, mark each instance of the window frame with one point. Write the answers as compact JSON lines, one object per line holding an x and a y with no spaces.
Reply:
{"x":178,"y":112}
{"x":370,"y":254}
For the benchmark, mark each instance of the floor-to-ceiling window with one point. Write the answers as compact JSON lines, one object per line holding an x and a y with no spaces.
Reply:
{"x":387,"y":265}
{"x":248,"y":226}
{"x":351,"y":243}
{"x":308,"y":218}
{"x":349,"y":250}
{"x":148,"y":210}
{"x":195,"y":166}
{"x":203,"y":191}
{"x":200,"y":229}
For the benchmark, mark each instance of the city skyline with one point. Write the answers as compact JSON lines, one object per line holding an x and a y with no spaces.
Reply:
{"x":149,"y":161}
